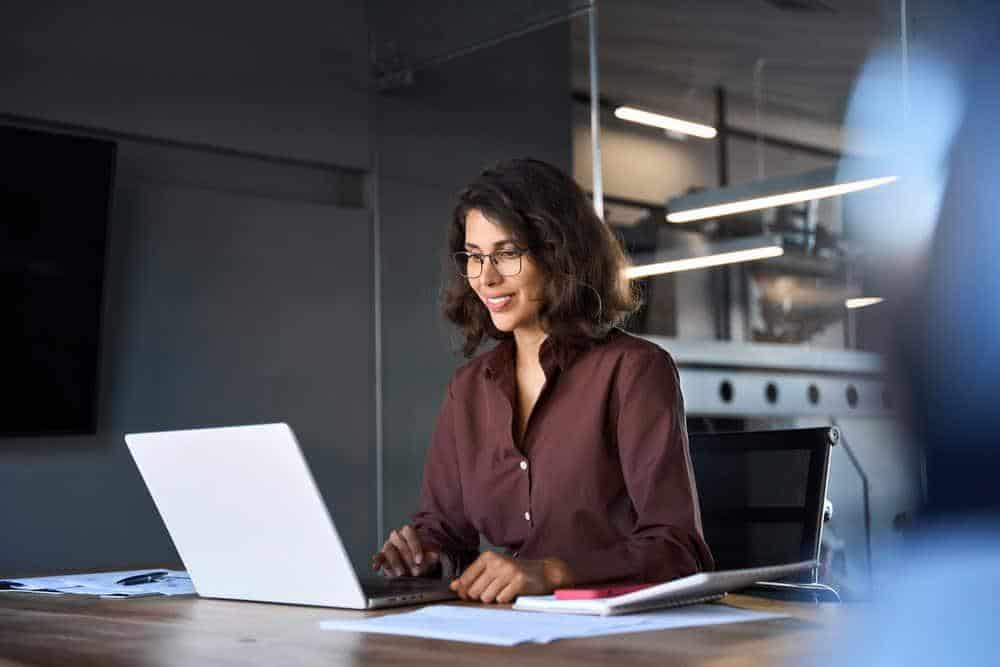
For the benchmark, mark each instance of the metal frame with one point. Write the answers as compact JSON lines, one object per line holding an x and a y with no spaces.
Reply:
{"x":732,"y":379}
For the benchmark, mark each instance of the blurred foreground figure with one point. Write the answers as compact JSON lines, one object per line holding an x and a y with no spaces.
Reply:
{"x":943,"y":607}
{"x":937,"y":239}
{"x":950,"y":353}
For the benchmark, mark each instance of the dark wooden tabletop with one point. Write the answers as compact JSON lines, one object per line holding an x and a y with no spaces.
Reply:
{"x":38,"y":629}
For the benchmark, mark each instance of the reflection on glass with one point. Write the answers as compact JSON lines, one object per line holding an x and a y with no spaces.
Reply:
{"x":774,"y":95}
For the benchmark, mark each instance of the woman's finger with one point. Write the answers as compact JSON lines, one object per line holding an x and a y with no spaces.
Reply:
{"x":510,"y":591}
{"x":394,"y":563}
{"x":482,"y":582}
{"x":489,"y":595}
{"x":403,"y":549}
{"x":461,"y":585}
{"x":413,"y":541}
{"x":378,"y":560}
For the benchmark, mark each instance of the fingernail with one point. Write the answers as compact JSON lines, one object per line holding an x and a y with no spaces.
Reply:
{"x":399,"y":572}
{"x":418,"y":559}
{"x":415,"y":572}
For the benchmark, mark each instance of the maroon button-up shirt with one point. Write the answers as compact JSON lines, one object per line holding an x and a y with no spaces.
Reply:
{"x":602,"y":478}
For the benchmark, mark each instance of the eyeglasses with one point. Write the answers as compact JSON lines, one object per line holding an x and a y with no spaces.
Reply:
{"x":507,"y":262}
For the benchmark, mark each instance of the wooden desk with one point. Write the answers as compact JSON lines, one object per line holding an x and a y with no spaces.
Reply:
{"x":76,"y":630}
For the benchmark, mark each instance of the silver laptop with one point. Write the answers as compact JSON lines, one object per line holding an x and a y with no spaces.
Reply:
{"x":249,"y":522}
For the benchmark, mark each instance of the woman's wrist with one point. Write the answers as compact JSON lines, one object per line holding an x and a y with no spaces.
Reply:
{"x":557,"y":574}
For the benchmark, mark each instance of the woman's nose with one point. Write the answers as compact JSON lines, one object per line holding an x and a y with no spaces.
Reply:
{"x":490,"y":274}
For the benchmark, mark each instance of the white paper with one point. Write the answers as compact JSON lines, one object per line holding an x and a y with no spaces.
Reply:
{"x":176,"y":582}
{"x":499,"y":627}
{"x":504,"y":627}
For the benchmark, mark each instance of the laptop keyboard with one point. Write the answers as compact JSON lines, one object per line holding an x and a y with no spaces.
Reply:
{"x":386,"y":586}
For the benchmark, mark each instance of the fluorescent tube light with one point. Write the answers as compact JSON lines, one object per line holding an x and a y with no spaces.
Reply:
{"x":861,"y":302}
{"x":704,"y":261}
{"x":665,"y":122}
{"x":817,"y":184}
{"x":758,"y":203}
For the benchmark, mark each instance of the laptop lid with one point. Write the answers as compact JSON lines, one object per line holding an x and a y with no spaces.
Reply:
{"x":246,"y":516}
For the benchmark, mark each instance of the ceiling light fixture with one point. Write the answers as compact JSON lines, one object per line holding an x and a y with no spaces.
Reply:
{"x":644,"y":269}
{"x":861,"y":302}
{"x":665,"y":122}
{"x":718,"y":202}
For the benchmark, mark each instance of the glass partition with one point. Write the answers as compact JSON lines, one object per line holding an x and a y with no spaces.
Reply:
{"x":769,"y":86}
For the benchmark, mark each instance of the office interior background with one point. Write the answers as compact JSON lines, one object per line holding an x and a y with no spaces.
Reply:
{"x":283,"y":181}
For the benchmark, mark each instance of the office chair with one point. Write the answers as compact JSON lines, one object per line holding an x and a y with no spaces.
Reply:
{"x":762,"y":497}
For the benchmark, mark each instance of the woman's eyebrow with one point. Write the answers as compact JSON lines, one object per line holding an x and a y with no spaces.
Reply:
{"x":501,"y":242}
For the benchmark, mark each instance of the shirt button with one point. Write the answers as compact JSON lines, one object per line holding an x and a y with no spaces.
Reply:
{"x":524,"y":465}
{"x":527,"y":516}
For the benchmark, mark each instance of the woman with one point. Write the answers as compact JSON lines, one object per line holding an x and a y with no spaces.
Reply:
{"x":566,"y":442}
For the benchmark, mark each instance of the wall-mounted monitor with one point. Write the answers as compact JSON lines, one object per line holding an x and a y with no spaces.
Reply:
{"x":55,"y":199}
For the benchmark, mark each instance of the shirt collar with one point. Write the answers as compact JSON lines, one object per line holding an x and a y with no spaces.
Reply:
{"x":552,"y":354}
{"x":499,"y":358}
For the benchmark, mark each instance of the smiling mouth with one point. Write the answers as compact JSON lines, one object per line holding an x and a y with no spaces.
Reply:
{"x":496,"y":304}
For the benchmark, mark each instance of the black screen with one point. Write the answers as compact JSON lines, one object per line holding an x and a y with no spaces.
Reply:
{"x":55,"y":193}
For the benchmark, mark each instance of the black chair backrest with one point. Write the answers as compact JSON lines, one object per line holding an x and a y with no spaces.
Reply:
{"x":762,"y":494}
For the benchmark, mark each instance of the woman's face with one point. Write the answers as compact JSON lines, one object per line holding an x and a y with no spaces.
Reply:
{"x":513,"y":301}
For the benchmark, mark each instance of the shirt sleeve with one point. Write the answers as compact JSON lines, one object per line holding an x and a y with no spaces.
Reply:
{"x":667,"y":541}
{"x":441,"y":522}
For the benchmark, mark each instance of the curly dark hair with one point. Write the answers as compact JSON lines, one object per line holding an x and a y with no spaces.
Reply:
{"x":586,"y":293}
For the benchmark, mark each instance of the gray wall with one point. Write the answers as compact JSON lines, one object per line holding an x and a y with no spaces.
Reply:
{"x":286,"y":82}
{"x":221,"y":308}
{"x":511,"y":100}
{"x":239,"y":272}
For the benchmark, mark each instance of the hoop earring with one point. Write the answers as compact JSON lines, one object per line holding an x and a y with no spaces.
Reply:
{"x":600,"y":302}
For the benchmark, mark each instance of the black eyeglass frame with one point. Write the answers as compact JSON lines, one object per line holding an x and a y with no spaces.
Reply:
{"x":462,"y":257}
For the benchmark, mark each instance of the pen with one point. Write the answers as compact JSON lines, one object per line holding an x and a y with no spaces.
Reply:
{"x":145,"y":578}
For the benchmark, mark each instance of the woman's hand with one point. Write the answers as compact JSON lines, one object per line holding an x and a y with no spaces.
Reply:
{"x":403,"y":555}
{"x":497,"y":578}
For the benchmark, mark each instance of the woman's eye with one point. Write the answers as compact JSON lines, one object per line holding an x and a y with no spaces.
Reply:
{"x":507,"y":254}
